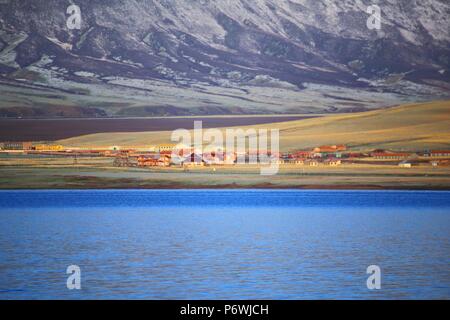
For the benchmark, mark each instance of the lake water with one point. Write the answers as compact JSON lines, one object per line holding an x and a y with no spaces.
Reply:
{"x":241,"y":244}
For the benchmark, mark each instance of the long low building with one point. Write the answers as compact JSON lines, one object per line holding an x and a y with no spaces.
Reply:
{"x":330,"y":149}
{"x":438,"y":154}
{"x":14,"y":145}
{"x":391,"y":156}
{"x":48,"y":147}
{"x":154,"y":161}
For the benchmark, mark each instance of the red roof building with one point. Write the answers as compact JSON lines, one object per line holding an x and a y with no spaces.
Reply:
{"x":330,"y":149}
{"x":303,"y":154}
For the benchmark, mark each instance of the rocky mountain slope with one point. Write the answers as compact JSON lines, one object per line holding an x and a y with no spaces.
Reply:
{"x":183,"y":57}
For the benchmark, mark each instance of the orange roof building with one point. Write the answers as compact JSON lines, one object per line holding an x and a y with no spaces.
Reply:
{"x":330,"y":149}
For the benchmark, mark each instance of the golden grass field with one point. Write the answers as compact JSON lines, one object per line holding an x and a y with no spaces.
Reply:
{"x":407,"y":127}
{"x":98,"y":173}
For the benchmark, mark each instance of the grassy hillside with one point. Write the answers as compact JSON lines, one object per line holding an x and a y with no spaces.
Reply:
{"x":407,"y":127}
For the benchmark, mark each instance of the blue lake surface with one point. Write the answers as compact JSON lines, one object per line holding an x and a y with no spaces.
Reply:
{"x":218,"y":244}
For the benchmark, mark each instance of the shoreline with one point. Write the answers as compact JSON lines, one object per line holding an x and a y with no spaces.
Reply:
{"x":261,"y":187}
{"x":96,"y":177}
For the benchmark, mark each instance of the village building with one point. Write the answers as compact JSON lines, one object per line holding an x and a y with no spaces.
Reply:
{"x":14,"y":145}
{"x":303,"y":154}
{"x":440,"y":154}
{"x":330,"y":149}
{"x":166,"y":148}
{"x":164,"y":161}
{"x":355,"y":155}
{"x":219,"y":158}
{"x":194,"y":159}
{"x":166,"y":153}
{"x":229,"y":158}
{"x":154,"y":161}
{"x":312,"y":163}
{"x":48,"y":147}
{"x":390,"y":156}
{"x":434,"y":163}
{"x":279,"y":161}
{"x":440,"y":163}
{"x":333,"y":162}
{"x":405,"y":164}
{"x":263,"y":157}
{"x":212,"y":159}
{"x":216,"y":157}
{"x":147,"y":162}
{"x":297,"y":162}
{"x":125,"y":161}
{"x":318,"y":155}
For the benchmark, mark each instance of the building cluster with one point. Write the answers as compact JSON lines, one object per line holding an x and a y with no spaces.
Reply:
{"x":332,"y":156}
{"x":29,"y":146}
{"x":166,"y":155}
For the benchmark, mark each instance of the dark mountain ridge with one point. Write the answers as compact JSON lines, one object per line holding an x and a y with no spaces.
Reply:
{"x":244,"y":56}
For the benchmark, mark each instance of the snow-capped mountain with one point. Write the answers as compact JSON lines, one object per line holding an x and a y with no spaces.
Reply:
{"x":180,"y":57}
